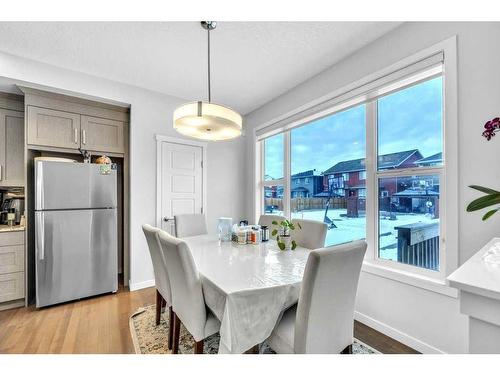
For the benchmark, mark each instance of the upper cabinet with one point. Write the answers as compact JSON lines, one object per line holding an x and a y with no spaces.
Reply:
{"x":100,"y":134}
{"x":48,"y":127}
{"x":11,"y":148}
{"x":56,"y":121}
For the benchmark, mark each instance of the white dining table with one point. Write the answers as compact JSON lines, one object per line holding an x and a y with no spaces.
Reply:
{"x":247,"y":286}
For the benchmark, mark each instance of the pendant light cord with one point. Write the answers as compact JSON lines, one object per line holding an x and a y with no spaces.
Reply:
{"x":209,"y":91}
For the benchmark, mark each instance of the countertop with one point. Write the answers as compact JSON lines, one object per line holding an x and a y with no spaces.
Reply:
{"x":478,"y":277}
{"x":7,"y":228}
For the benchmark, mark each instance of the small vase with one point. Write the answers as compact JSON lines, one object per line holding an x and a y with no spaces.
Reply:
{"x":287,"y":241}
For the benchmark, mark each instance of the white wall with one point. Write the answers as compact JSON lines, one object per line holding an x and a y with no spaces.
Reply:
{"x":151,"y":114}
{"x":424,"y":319}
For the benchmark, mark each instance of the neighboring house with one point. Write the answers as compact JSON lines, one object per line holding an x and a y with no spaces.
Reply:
{"x":306,"y":184}
{"x":348,"y":178}
{"x":431,"y":161}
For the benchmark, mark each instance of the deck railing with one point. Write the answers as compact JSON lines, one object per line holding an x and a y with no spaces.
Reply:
{"x":418,"y":245}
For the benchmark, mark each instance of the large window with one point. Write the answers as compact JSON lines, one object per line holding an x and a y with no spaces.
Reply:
{"x":409,"y":128}
{"x":328,"y":146}
{"x":374,"y":170}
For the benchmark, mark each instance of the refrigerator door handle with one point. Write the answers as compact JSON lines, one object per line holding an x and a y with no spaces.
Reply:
{"x":40,"y":235}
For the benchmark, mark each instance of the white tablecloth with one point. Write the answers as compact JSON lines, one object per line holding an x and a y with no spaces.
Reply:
{"x":247,"y":287}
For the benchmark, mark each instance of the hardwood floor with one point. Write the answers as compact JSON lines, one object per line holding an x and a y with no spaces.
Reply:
{"x":101,"y":325}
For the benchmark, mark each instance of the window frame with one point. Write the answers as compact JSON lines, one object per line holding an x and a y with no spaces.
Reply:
{"x":448,"y":172}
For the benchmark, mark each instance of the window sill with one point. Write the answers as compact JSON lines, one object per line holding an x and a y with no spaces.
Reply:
{"x":413,"y":279}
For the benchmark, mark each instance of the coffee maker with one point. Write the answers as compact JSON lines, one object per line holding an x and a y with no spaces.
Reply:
{"x":15,"y":205}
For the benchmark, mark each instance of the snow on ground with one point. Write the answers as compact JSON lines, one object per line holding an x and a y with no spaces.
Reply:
{"x":349,"y":229}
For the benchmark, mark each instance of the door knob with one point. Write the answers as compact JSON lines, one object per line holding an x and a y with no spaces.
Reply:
{"x":166,"y":219}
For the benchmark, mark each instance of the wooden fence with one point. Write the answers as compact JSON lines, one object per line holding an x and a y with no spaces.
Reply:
{"x":302,"y":204}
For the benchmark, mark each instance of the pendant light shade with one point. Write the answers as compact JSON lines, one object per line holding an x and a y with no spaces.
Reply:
{"x":206,"y":120}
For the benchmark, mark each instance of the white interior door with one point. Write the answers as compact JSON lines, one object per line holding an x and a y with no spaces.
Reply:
{"x":180,"y":182}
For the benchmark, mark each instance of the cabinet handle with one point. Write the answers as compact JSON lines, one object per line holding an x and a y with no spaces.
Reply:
{"x":75,"y":134}
{"x":84,"y":136}
{"x":0,"y":172}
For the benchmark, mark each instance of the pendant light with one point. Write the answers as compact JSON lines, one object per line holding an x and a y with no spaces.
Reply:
{"x":207,"y":120}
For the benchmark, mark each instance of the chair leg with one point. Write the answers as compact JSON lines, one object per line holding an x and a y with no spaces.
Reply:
{"x":198,"y":347}
{"x":177,"y":332}
{"x":347,"y":350}
{"x":253,"y":350}
{"x":159,"y":300}
{"x":171,"y":327}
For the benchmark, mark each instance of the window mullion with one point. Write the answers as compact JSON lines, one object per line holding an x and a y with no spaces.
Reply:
{"x":371,"y":188}
{"x":287,"y":175}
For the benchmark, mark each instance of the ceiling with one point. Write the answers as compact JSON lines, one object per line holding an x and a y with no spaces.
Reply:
{"x":252,"y":62}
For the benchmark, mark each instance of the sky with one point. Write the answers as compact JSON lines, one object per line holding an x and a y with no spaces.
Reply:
{"x":408,"y":119}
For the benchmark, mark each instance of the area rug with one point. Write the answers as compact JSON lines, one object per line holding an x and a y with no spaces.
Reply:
{"x":148,"y":338}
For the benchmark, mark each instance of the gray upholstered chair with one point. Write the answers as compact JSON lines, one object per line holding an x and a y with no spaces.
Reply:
{"x":188,"y":301}
{"x":323,"y":319}
{"x":311,"y":235}
{"x":162,"y":282}
{"x":268,"y":220}
{"x":190,"y":225}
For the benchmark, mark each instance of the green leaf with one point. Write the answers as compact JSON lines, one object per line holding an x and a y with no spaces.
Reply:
{"x":483,"y":202}
{"x":484,"y":189}
{"x":281,"y":245}
{"x":274,"y":222}
{"x":274,"y":232}
{"x":283,"y":224}
{"x":292,"y":227}
{"x":294,"y":245}
{"x":490,"y":213}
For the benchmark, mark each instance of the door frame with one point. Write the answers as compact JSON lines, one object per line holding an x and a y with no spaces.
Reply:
{"x":184,"y":142}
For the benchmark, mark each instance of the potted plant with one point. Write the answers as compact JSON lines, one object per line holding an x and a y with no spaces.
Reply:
{"x":284,"y":238}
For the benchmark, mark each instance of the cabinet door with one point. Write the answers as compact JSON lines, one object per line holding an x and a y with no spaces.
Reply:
{"x":11,"y":148}
{"x":48,"y":127}
{"x":103,"y":135}
{"x":11,"y":286}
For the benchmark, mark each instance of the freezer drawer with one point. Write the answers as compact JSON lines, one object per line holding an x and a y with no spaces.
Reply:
{"x":76,"y":254}
{"x":60,"y":186}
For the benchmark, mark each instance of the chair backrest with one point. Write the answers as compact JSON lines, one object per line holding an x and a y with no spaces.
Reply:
{"x":188,"y":301}
{"x":325,"y":312}
{"x":190,"y":225}
{"x":311,"y":235}
{"x":162,"y":281}
{"x":268,"y":220}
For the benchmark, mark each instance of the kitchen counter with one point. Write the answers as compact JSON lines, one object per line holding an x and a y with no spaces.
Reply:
{"x":479,"y":286}
{"x":7,"y":228}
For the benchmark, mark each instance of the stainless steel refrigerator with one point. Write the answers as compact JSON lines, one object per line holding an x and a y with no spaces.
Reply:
{"x":75,"y":231}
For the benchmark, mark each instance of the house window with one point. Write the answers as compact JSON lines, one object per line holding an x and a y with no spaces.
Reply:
{"x":273,"y":158}
{"x":388,"y":135}
{"x":409,"y":128}
{"x":324,"y":145}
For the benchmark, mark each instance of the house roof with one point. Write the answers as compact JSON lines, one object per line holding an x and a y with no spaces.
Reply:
{"x":417,"y":193}
{"x":436,"y":158}
{"x":386,"y":161}
{"x":309,"y":173}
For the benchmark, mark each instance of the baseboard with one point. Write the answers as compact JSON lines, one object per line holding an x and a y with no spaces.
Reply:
{"x":141,"y":285}
{"x":402,"y":337}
